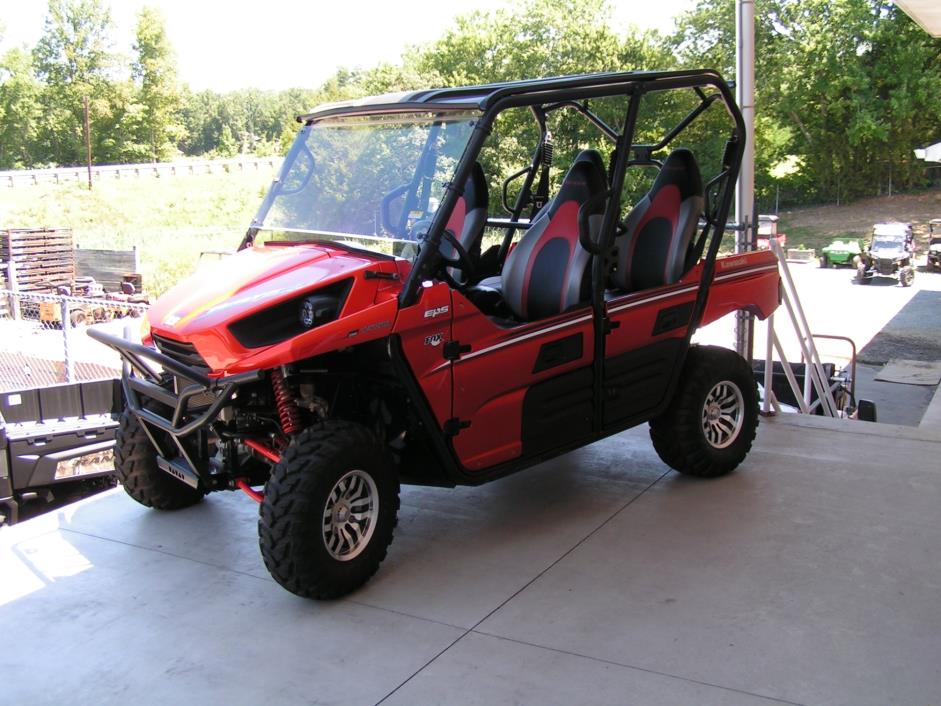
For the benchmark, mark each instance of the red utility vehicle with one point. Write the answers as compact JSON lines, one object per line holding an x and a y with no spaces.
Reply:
{"x":385,"y":322}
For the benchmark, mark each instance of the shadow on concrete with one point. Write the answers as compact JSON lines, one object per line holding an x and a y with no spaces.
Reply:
{"x":914,"y":333}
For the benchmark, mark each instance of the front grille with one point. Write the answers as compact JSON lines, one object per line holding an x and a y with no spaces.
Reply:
{"x":181,"y":352}
{"x":885,"y":266}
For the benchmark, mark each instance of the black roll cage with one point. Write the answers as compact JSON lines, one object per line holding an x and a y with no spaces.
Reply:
{"x":574,"y":92}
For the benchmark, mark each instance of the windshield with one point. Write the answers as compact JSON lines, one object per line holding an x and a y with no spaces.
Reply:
{"x":373,"y":182}
{"x":888,"y":244}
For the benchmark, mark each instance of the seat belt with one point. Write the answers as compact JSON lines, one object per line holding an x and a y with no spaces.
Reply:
{"x":541,"y":197}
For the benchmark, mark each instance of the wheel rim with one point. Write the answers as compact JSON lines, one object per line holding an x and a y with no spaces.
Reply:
{"x":723,"y":414}
{"x":349,"y":515}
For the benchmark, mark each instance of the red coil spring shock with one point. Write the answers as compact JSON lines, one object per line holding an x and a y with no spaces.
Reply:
{"x":287,"y":409}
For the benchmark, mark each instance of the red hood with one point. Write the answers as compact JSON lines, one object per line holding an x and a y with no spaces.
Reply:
{"x":200,"y":309}
{"x":251,"y":279}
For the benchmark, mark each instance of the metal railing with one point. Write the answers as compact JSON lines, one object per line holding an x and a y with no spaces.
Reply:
{"x":43,"y":340}
{"x":26,"y":177}
{"x":817,"y":381}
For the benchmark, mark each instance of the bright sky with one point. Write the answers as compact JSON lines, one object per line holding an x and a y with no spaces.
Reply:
{"x":278,"y":44}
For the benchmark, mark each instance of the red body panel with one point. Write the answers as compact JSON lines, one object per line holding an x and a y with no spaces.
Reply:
{"x":425,"y":328}
{"x":199,"y":309}
{"x":492,"y":378}
{"x":750,"y":281}
{"x":488,"y":383}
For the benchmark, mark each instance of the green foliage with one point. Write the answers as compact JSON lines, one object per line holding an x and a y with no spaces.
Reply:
{"x":160,"y":97}
{"x":537,"y":38}
{"x":846,"y":89}
{"x":72,"y":59}
{"x":19,"y":109}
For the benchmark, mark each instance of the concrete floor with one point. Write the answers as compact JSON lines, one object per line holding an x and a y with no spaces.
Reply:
{"x":811,"y":575}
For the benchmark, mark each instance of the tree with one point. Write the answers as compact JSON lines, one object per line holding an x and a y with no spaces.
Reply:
{"x":846,"y":89}
{"x":155,"y":70}
{"x":72,"y":58}
{"x":19,"y":109}
{"x":539,"y":38}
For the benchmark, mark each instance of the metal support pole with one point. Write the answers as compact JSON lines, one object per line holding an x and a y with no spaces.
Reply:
{"x":745,"y":189}
{"x":66,"y":327}
{"x":15,"y":288}
{"x":87,"y":139}
{"x":769,"y":364}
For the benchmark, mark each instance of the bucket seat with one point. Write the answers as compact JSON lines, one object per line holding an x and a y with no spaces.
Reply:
{"x":654,"y":246}
{"x":468,"y":219}
{"x":547,"y":272}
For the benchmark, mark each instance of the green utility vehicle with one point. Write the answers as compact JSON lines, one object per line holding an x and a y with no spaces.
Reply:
{"x":841,"y":253}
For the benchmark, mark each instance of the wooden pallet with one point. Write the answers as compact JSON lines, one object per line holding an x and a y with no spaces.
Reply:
{"x":44,"y":259}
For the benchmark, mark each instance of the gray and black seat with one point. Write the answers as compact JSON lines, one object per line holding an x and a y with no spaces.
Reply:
{"x":548,"y":270}
{"x":468,"y":219}
{"x":653,"y":249}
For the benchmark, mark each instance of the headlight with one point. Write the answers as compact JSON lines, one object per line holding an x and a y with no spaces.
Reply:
{"x":291,"y":317}
{"x":318,"y":309}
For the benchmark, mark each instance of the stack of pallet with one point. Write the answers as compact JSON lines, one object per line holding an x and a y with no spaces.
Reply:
{"x":43,"y":259}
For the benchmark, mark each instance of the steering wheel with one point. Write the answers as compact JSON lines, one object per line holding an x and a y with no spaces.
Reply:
{"x":462,"y":262}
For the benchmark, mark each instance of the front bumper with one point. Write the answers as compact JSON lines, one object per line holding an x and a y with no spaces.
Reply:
{"x":194,"y":406}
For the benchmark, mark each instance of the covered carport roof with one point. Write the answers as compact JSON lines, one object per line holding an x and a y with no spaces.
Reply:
{"x":926,"y":13}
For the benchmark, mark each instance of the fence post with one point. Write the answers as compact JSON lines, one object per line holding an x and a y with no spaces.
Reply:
{"x":66,"y":328}
{"x":14,"y":300}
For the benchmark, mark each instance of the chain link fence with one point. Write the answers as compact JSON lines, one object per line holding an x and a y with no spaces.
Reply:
{"x":43,"y":340}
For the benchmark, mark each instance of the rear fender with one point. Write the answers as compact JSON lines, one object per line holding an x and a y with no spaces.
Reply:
{"x":749,"y":282}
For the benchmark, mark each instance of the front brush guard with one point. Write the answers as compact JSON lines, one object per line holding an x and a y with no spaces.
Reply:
{"x":145,"y":381}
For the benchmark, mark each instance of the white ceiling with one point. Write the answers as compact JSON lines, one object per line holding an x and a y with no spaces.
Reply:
{"x":927,"y":13}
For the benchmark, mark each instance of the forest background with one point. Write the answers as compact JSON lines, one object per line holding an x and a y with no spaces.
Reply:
{"x":846,"y":89}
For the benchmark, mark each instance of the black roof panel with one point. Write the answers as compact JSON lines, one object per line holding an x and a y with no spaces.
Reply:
{"x":479,"y":97}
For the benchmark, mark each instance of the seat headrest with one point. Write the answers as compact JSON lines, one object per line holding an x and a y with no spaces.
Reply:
{"x":680,"y":170}
{"x":585,"y":178}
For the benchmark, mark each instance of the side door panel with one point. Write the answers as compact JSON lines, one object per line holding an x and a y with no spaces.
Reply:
{"x":643,"y":349}
{"x":425,"y":328}
{"x":523,"y":389}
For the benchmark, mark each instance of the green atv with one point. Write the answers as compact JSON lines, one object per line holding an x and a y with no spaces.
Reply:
{"x":841,"y":253}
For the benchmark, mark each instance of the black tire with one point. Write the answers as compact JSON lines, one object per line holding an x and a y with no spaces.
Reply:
{"x":679,"y":435}
{"x":135,"y":461}
{"x":824,"y":261}
{"x":861,"y":275}
{"x":906,"y":276}
{"x":292,"y":528}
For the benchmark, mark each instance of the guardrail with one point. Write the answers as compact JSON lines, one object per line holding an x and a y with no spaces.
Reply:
{"x":29,"y":177}
{"x":43,"y":340}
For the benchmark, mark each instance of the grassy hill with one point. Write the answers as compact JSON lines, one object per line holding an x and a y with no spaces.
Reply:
{"x":171,"y":220}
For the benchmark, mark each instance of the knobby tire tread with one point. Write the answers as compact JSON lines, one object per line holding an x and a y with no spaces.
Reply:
{"x":677,"y":434}
{"x":287,"y":505}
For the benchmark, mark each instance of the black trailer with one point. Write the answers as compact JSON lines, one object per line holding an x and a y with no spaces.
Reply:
{"x":56,"y":441}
